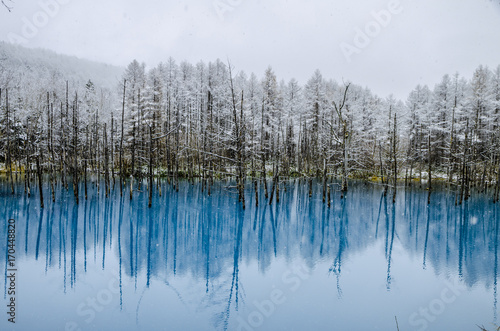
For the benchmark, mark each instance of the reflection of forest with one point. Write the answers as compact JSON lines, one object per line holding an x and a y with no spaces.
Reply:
{"x":207,"y":237}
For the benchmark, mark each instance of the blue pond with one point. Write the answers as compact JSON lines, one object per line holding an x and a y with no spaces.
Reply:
{"x":199,"y":262}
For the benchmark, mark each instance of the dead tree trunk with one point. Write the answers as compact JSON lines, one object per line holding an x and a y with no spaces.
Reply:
{"x":51,"y":147}
{"x":75,"y":150}
{"x":150,"y":168}
{"x":9,"y":156}
{"x":384,"y":182}
{"x":394,"y":142}
{"x":497,"y":189}
{"x":324,"y":180}
{"x":277,"y":184}
{"x":256,"y":193}
{"x":98,"y":152}
{"x":238,"y":124}
{"x":39,"y":174}
{"x":106,"y":161}
{"x":85,"y":177}
{"x":345,"y":140}
{"x":328,"y":194}
{"x":27,"y":171}
{"x":463,"y":190}
{"x":429,"y":187}
{"x":121,"y":138}
{"x":112,"y":150}
{"x":272,"y":190}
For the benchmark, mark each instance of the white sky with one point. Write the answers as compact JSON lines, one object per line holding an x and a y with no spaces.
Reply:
{"x":427,"y":40}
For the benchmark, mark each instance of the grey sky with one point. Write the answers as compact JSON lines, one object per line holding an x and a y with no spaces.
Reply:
{"x":427,"y":39}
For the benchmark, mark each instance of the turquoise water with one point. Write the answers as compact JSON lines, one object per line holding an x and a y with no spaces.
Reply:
{"x":198,"y":262}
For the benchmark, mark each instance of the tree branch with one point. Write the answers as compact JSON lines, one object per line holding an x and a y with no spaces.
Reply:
{"x":6,"y":6}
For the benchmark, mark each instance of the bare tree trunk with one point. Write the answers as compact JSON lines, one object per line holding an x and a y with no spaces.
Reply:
{"x":277,"y":184}
{"x":209,"y":190}
{"x":345,"y":160}
{"x":75,"y":150}
{"x":27,"y":171}
{"x":272,"y":191}
{"x":429,"y":187}
{"x":238,"y":133}
{"x":256,"y":193}
{"x":98,"y":152}
{"x":112,"y":150}
{"x":467,"y":182}
{"x":395,"y":160}
{"x":324,"y":181}
{"x":121,"y":138}
{"x":451,"y":149}
{"x":263,"y":152}
{"x":85,"y":177}
{"x":345,"y":140}
{"x":482,"y":185}
{"x":176,"y":156}
{"x":106,"y":161}
{"x":497,"y":190}
{"x":39,"y":173}
{"x":241,"y":154}
{"x":51,"y":149}
{"x":9,"y":156}
{"x":131,"y":185}
{"x":264,"y":179}
{"x":406,"y":176}
{"x":463,"y":190}
{"x":410,"y":183}
{"x":63,"y":137}
{"x":150,"y":167}
{"x":328,"y":194}
{"x":384,"y":183}
{"x":462,"y":186}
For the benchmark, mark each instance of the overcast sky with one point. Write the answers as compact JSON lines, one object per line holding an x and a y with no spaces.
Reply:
{"x":417,"y":43}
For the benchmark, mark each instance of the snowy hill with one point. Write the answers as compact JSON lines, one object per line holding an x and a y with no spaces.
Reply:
{"x":15,"y":58}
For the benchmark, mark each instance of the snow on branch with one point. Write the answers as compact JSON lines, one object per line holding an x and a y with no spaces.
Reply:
{"x":7,"y":6}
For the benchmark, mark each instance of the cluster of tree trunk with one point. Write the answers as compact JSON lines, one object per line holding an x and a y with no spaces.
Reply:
{"x":185,"y":121}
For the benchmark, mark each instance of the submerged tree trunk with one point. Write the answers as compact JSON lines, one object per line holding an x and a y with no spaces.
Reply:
{"x":464,"y":187}
{"x":131,"y":185}
{"x":345,"y":160}
{"x":9,"y":156}
{"x":85,"y":177}
{"x":497,"y":190}
{"x":112,"y":152}
{"x":272,"y":190}
{"x":50,"y":117}
{"x":27,"y":170}
{"x":394,"y":142}
{"x":429,"y":187}
{"x":106,"y":161}
{"x":328,"y":194}
{"x":121,"y":138}
{"x":277,"y":185}
{"x":324,"y":181}
{"x":384,"y":183}
{"x":256,"y":193}
{"x":39,"y":174}
{"x":75,"y":150}
{"x":150,"y":168}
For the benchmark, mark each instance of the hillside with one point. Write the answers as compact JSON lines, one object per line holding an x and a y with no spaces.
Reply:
{"x":19,"y":59}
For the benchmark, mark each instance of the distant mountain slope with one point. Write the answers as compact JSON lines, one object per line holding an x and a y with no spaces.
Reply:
{"x":19,"y":58}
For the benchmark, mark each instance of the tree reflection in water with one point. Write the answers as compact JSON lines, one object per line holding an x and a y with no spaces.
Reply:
{"x":206,"y":238}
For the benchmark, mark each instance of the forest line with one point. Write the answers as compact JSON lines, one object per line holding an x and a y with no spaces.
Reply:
{"x":204,"y":121}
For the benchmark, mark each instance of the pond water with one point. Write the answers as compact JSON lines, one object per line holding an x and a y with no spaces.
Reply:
{"x":198,"y":262}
